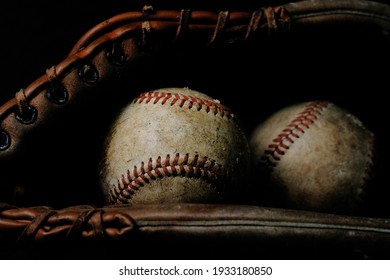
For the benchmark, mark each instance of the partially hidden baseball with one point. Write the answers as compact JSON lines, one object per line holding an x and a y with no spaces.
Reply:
{"x":174,"y":145}
{"x":314,"y":156}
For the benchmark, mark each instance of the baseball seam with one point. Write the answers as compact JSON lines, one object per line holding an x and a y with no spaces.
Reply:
{"x":182,"y":100}
{"x":280,"y":144}
{"x":198,"y":167}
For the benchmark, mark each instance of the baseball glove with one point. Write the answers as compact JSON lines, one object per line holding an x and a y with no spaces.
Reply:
{"x":256,"y":56}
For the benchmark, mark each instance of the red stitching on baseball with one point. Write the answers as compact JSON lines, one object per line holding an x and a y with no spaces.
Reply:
{"x":202,"y":168}
{"x":183,"y":100}
{"x":293,"y":130}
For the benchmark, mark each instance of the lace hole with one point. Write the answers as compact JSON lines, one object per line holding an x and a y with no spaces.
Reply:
{"x":88,"y":73}
{"x":116,"y":55}
{"x":5,"y":140}
{"x":57,"y":94}
{"x":28,"y":117}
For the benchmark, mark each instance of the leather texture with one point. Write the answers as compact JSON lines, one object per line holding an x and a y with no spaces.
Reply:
{"x":48,"y":152}
{"x":191,"y":231}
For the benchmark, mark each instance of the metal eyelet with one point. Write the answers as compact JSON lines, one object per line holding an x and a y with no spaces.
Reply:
{"x":57,"y":94}
{"x":28,"y":116}
{"x":5,"y":140}
{"x":116,"y":55}
{"x":26,"y":113}
{"x":88,"y":73}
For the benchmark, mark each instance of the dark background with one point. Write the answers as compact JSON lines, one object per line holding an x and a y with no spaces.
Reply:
{"x":344,"y":65}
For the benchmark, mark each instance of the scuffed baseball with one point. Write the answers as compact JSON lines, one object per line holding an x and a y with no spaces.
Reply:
{"x":313,"y":156}
{"x":174,"y":145}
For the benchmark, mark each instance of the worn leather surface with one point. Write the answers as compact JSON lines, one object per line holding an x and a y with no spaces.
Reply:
{"x":52,"y":161}
{"x":191,"y":231}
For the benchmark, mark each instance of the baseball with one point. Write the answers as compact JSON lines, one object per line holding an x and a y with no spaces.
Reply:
{"x":313,"y":156}
{"x":174,"y":145}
